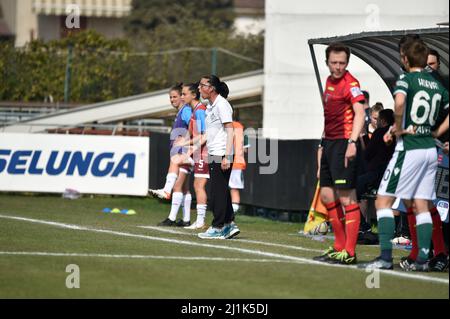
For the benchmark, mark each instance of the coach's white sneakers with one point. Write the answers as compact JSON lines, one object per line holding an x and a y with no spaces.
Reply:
{"x":230,"y":230}
{"x":160,"y":193}
{"x":212,"y":233}
{"x":197,"y":226}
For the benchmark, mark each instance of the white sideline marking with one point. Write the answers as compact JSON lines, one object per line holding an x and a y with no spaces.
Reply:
{"x":166,"y":230}
{"x":195,"y":258}
{"x":171,"y":231}
{"x":248,"y":251}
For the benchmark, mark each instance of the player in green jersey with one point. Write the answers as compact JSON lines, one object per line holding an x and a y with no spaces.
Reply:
{"x":411,"y":172}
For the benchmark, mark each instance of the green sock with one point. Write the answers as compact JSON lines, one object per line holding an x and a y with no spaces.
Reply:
{"x":386,"y":229}
{"x":424,"y":228}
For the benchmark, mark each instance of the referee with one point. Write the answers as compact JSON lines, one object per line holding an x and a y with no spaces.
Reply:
{"x":343,"y":103}
{"x":219,"y":137}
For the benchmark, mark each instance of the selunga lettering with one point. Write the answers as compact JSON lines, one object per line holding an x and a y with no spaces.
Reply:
{"x":23,"y":162}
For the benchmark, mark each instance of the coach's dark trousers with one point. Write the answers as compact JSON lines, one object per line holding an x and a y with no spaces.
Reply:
{"x":220,"y":197}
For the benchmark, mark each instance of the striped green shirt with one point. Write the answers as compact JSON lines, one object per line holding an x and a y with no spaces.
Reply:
{"x":425,"y":99}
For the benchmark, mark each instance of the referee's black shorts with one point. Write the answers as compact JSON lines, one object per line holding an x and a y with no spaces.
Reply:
{"x":333,"y":172}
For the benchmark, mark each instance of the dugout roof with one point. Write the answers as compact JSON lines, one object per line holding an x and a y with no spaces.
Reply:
{"x":380,"y":50}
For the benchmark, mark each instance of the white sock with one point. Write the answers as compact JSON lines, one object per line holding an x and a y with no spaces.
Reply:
{"x":187,"y":200}
{"x":201,"y":213}
{"x":177,"y":199}
{"x":171,"y":178}
{"x":385,"y":213}
{"x":423,"y":218}
{"x":235,"y":207}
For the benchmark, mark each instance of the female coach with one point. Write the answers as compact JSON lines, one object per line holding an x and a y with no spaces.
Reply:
{"x":219,"y":141}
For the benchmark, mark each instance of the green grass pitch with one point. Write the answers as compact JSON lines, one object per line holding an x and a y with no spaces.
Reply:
{"x":118,"y":258}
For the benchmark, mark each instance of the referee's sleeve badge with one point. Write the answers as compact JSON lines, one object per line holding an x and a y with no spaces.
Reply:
{"x":356,"y":91}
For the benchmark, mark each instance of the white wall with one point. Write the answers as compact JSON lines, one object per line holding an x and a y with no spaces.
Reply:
{"x":20,"y":19}
{"x":23,"y":22}
{"x":26,"y":23}
{"x":292,"y":108}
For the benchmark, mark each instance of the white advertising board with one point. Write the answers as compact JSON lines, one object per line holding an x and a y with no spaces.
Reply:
{"x":115,"y":165}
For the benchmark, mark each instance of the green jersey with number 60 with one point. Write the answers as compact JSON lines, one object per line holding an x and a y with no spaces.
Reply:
{"x":425,"y":98}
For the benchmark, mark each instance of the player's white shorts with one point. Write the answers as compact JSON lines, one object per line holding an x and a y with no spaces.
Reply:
{"x":411,"y":174}
{"x":236,"y":179}
{"x":185,"y":169}
{"x":397,"y":204}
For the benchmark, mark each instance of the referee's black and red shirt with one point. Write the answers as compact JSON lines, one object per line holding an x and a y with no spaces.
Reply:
{"x":339,"y":97}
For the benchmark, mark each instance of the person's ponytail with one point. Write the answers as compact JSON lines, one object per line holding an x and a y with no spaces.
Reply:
{"x":223,"y":89}
{"x":219,"y":86}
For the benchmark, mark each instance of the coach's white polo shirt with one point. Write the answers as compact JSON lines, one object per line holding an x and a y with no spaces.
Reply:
{"x":216,"y":114}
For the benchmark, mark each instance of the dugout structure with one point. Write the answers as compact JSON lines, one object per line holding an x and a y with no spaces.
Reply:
{"x":380,"y":51}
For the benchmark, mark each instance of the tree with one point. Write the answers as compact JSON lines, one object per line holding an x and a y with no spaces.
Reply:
{"x":147,"y":15}
{"x":186,"y":52}
{"x":37,"y":71}
{"x":173,"y":28}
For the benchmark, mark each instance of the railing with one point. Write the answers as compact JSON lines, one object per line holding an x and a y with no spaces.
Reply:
{"x":11,"y":112}
{"x":11,"y":115}
{"x":100,"y":129}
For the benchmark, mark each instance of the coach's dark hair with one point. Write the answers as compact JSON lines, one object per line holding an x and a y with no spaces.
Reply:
{"x":193,"y":87}
{"x":337,"y":47}
{"x":417,"y":53}
{"x":387,"y":115}
{"x":436,"y":54}
{"x":407,"y":38}
{"x":219,"y":86}
{"x":177,"y":87}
